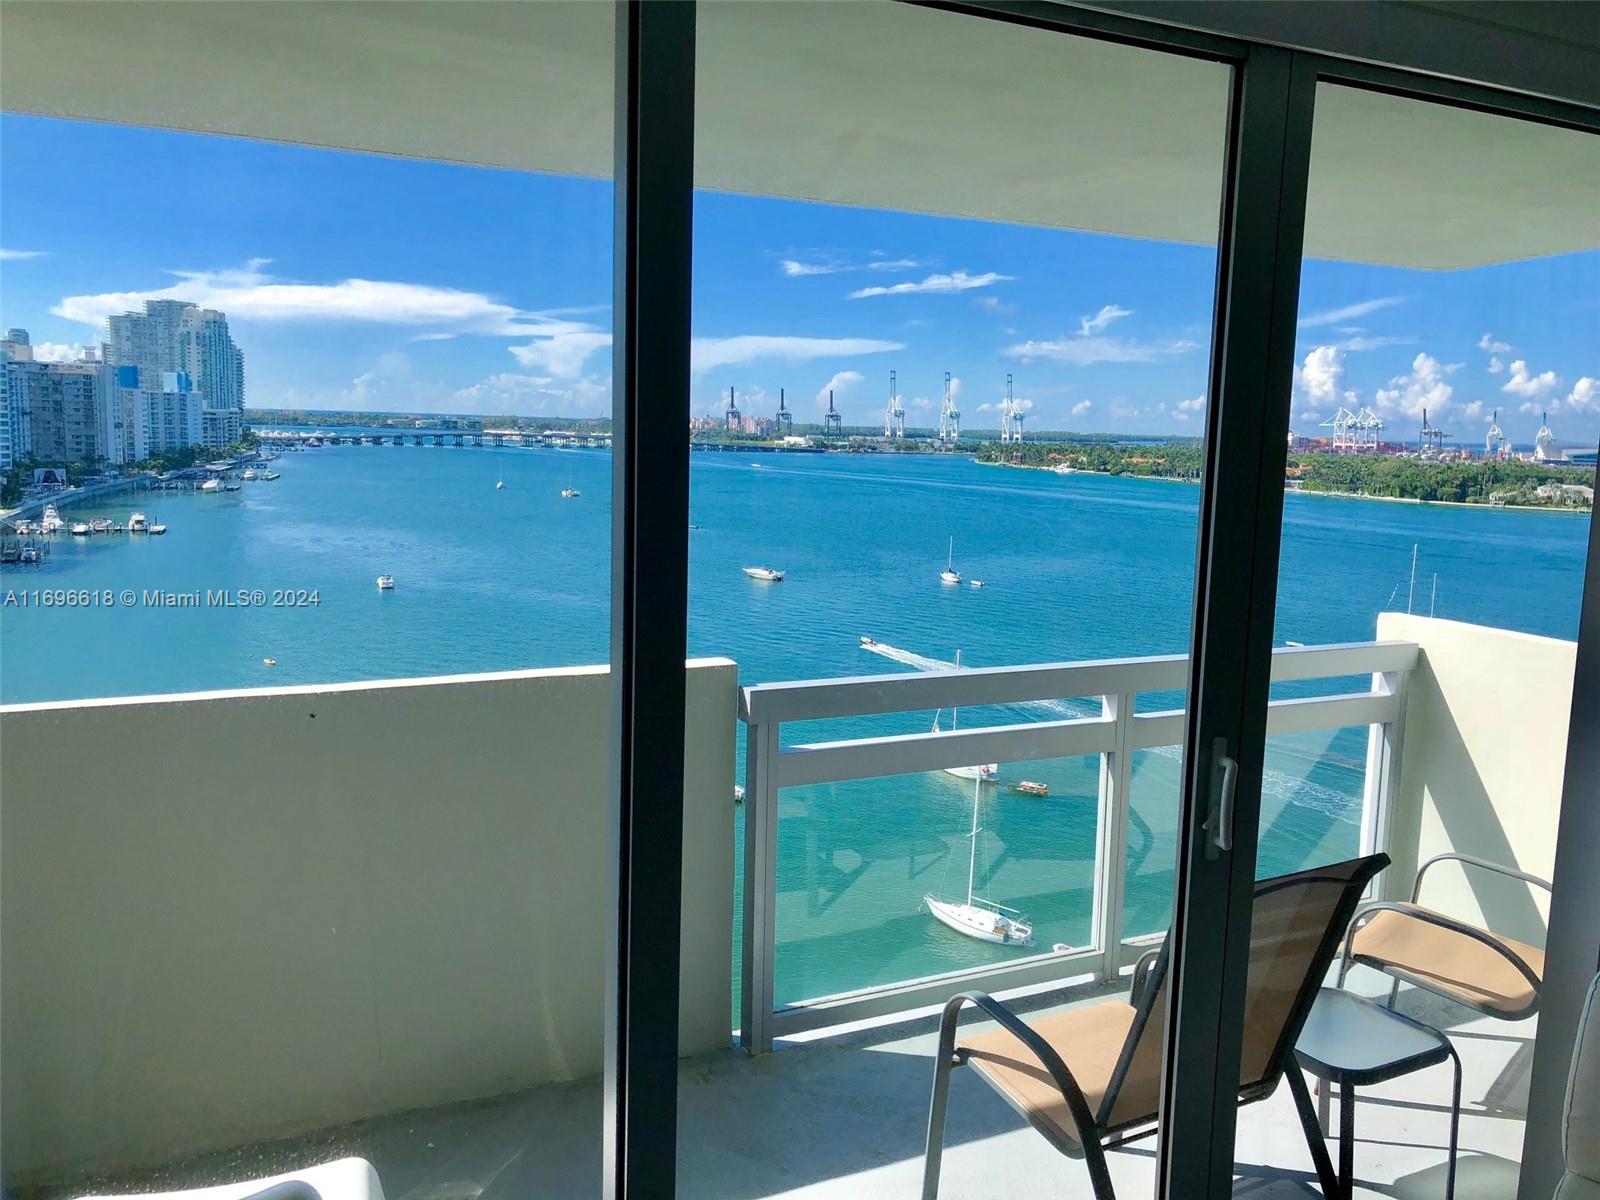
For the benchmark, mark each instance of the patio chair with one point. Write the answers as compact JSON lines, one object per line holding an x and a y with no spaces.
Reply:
{"x":1580,"y":1121}
{"x":1089,"y":1078}
{"x":1487,"y":972}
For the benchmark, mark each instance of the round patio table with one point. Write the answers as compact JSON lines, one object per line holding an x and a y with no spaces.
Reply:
{"x":1350,"y":1042}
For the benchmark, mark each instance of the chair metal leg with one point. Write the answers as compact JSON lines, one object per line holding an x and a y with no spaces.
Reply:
{"x":1394,"y":990}
{"x":1313,"y":1131}
{"x":1347,"y":1138}
{"x":1455,"y":1125}
{"x":937,"y":1110}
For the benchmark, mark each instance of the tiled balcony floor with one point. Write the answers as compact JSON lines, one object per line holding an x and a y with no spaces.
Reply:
{"x":843,"y":1118}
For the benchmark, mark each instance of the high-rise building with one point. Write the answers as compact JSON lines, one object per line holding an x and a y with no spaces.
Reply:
{"x":55,"y":410}
{"x":140,"y":421}
{"x":172,"y":336}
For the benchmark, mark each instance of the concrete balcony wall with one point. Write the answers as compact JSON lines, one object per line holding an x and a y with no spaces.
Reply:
{"x":237,"y":915}
{"x":1484,"y":746}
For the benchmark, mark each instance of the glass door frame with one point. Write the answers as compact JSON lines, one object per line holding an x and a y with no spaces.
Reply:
{"x":1259,"y":253}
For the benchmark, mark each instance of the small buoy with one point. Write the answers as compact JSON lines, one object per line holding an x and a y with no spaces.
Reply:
{"x":270,"y":662}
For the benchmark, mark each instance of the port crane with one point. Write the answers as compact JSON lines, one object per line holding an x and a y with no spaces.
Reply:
{"x":1010,"y":416}
{"x":894,"y":413}
{"x":733,"y":419}
{"x":949,"y":415}
{"x":785,"y":417}
{"x":1494,"y":442}
{"x":1431,"y":439}
{"x":832,"y":420}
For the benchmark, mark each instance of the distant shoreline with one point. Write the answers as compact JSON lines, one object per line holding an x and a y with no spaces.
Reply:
{"x":1532,"y":508}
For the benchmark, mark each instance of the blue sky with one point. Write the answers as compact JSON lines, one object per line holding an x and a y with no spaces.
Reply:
{"x":356,"y":281}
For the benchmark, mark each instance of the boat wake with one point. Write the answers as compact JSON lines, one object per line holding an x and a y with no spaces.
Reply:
{"x":907,"y":658}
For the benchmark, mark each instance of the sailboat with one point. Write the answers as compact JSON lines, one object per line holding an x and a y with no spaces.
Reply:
{"x":569,"y":492}
{"x":980,"y":918}
{"x":950,"y":574}
{"x":982,"y":772}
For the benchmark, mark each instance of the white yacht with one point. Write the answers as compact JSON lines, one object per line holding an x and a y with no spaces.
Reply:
{"x":980,"y":918}
{"x":138,"y":523}
{"x":249,"y":474}
{"x":386,"y":583}
{"x":570,"y":493}
{"x":982,"y":772}
{"x":80,"y":529}
{"x":950,"y":574}
{"x":211,"y":485}
{"x":269,"y":475}
{"x":766,"y":574}
{"x":51,"y":520}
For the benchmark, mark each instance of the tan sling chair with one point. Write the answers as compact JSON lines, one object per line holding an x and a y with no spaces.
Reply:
{"x":1090,"y":1077}
{"x":1490,"y":974}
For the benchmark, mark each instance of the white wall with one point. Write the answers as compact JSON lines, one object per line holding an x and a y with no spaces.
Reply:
{"x":1481,"y":766}
{"x":233,"y":916}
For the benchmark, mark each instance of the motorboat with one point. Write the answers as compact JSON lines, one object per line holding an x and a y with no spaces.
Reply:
{"x":100,"y":525}
{"x":867,"y":643}
{"x":211,"y":486}
{"x":138,"y":523}
{"x":250,"y":475}
{"x":570,"y":493}
{"x":765,"y":574}
{"x":1029,"y":787}
{"x":950,"y":574}
{"x":51,"y":520}
{"x":80,"y":529}
{"x":976,"y":582}
{"x":157,"y":529}
{"x":977,"y":917}
{"x":269,"y":476}
{"x":386,"y":583}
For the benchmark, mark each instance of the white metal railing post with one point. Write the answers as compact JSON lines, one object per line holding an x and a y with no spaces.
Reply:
{"x":758,"y":959}
{"x":1111,"y":835}
{"x":1385,"y":745}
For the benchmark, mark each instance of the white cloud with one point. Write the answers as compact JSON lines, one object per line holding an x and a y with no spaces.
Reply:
{"x":511,"y":394}
{"x":1585,"y":395}
{"x":1320,"y":375}
{"x":1473,"y":411}
{"x":563,"y":355}
{"x":1489,"y":343}
{"x":248,"y":293}
{"x":709,"y":353}
{"x":1081,"y":351}
{"x":994,"y":305}
{"x":8,"y":255}
{"x":840,"y":381}
{"x":1089,"y":326}
{"x":1195,"y":405}
{"x":1496,"y":364}
{"x":958,"y":281}
{"x":1349,"y":312}
{"x":1310,"y":414}
{"x":796,"y":269}
{"x":1424,"y":387}
{"x":1366,"y":342}
{"x":1081,"y":407}
{"x":1532,"y":387}
{"x":893,"y":264}
{"x":59,"y":352}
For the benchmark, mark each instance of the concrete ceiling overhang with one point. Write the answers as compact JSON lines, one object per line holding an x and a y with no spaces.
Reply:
{"x":870,"y":104}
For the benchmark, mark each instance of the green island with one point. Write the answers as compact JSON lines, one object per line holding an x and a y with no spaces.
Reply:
{"x":1506,"y":482}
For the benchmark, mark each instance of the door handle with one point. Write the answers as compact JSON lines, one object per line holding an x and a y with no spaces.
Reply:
{"x":1224,"y":778}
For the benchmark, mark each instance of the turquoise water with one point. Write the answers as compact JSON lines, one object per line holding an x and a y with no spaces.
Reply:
{"x":1076,"y":567}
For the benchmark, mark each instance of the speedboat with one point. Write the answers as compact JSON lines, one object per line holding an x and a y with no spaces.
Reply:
{"x":211,"y":485}
{"x":250,"y":475}
{"x":79,"y":529}
{"x":976,"y":582}
{"x":983,"y":773}
{"x":500,"y":485}
{"x":386,"y":583}
{"x":100,"y":525}
{"x":867,"y":643}
{"x":570,"y":493}
{"x":766,"y":574}
{"x":138,"y":523}
{"x":269,"y":475}
{"x":29,"y":554}
{"x":1028,"y":787}
{"x":158,"y":528}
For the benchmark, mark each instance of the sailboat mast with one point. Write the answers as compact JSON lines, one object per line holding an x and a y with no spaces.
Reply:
{"x":972,"y":852}
{"x":950,"y":558}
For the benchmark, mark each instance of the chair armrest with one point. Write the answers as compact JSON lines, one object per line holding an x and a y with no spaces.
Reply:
{"x":1443,"y":922}
{"x":1060,"y":1075}
{"x":1470,"y":860}
{"x":1141,"y":974}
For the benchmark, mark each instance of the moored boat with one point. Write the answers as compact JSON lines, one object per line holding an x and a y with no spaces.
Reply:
{"x":765,"y":574}
{"x":80,"y":529}
{"x":977,"y":917}
{"x":211,"y":485}
{"x":138,"y":523}
{"x":950,"y":574}
{"x":386,"y":583}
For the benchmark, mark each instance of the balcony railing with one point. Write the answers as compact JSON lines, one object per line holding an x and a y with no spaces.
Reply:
{"x":1114,"y":735}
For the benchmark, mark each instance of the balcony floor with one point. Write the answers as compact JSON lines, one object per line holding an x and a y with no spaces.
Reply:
{"x":844,"y":1118}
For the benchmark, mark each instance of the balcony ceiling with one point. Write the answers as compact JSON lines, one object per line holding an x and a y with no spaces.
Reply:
{"x":876,"y":105}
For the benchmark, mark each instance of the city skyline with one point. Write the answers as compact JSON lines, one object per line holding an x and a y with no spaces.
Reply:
{"x":351,"y":285}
